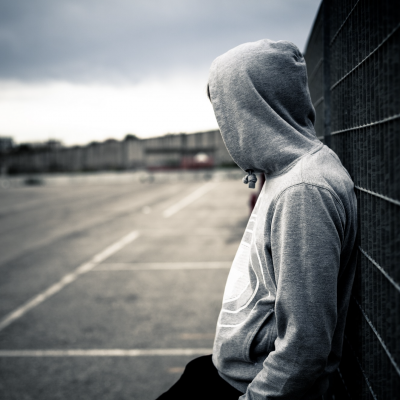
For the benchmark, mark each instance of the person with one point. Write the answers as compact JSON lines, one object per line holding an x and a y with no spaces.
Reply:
{"x":280,"y":331}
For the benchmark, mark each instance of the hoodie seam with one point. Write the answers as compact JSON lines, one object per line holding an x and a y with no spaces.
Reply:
{"x":220,"y":104}
{"x":335,"y":196}
{"x":294,"y":162}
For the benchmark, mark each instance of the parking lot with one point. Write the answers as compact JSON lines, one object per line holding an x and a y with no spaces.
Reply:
{"x":108,"y":290}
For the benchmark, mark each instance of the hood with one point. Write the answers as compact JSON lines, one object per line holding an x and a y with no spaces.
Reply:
{"x":261,"y":100}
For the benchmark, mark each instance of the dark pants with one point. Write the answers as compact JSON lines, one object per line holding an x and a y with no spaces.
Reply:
{"x":200,"y":380}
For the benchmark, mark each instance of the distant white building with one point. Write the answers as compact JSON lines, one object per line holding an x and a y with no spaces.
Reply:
{"x":180,"y":151}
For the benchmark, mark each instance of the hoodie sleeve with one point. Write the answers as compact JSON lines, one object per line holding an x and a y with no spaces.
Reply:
{"x":307,"y":230}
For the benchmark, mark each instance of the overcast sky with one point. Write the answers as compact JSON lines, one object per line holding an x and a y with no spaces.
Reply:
{"x":83,"y":70}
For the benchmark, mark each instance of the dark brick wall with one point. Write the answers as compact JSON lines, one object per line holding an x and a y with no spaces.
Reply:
{"x":353,"y":61}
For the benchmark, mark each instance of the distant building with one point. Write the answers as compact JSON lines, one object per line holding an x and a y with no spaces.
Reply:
{"x":6,"y":144}
{"x":169,"y":152}
{"x":50,"y":144}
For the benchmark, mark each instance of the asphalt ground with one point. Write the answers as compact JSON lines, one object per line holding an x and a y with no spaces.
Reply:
{"x":136,"y":276}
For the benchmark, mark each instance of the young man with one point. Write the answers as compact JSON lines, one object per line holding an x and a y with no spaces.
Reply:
{"x":280,"y":330}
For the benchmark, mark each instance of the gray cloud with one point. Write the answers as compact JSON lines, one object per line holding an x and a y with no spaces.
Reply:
{"x":120,"y":40}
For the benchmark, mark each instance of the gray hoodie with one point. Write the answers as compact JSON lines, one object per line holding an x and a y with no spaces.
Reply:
{"x":280,"y":330}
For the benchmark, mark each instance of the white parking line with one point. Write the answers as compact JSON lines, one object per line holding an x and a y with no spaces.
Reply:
{"x":104,"y":352}
{"x":67,"y":279}
{"x":162,"y":266}
{"x":188,"y":199}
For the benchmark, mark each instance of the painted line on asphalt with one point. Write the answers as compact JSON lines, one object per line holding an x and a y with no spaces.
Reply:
{"x":67,"y":279}
{"x":162,"y":266}
{"x":104,"y":352}
{"x":188,"y":199}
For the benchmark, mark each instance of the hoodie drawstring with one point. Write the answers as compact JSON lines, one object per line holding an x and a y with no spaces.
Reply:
{"x":250,"y":179}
